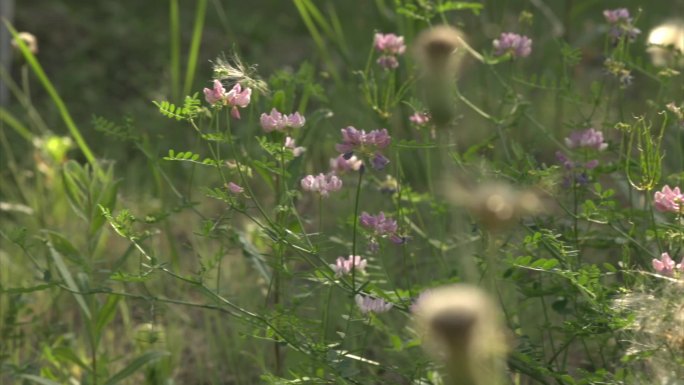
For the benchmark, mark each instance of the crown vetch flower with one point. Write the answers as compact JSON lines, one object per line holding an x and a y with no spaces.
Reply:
{"x":276,"y":121}
{"x":344,"y":266}
{"x":322,"y":184}
{"x":517,"y":45}
{"x":291,"y":144}
{"x":358,"y":139}
{"x":388,"y":62}
{"x":238,"y":97}
{"x":589,"y":138}
{"x":389,"y":43}
{"x":234,"y":188}
{"x":368,"y":304}
{"x":295,"y":120}
{"x":420,"y":118}
{"x":668,"y":200}
{"x":216,"y":94}
{"x":342,"y":164}
{"x":665,"y":265}
{"x":380,"y":224}
{"x":621,"y":24}
{"x":614,"y":16}
{"x":273,"y":121}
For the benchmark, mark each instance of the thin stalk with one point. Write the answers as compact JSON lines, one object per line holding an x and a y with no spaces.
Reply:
{"x":174,"y":32}
{"x":355,"y":225}
{"x":200,"y":13}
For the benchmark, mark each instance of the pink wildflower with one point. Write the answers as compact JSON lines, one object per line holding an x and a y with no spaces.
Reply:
{"x":390,"y":43}
{"x":216,"y":94}
{"x":237,"y":97}
{"x":419,"y":118}
{"x":517,"y":45}
{"x":378,"y":223}
{"x":665,"y":265}
{"x":345,"y":266}
{"x":590,"y":138}
{"x":290,"y":143}
{"x":276,"y":121}
{"x":341,"y":164}
{"x":621,"y":24}
{"x":322,"y":184}
{"x":368,"y":304}
{"x":273,"y":121}
{"x":388,"y":62}
{"x":234,"y":188}
{"x":295,"y":120}
{"x":668,"y":200}
{"x":616,"y":15}
{"x":353,"y":139}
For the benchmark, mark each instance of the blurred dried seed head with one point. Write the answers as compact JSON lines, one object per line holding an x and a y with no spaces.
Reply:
{"x":29,"y":39}
{"x":496,"y":205}
{"x":440,"y":50}
{"x":666,"y":44}
{"x":461,"y":327}
{"x":656,"y":335}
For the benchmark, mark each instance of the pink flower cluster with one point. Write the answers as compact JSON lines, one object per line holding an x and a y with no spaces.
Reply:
{"x":236,"y":97}
{"x":366,"y":143}
{"x":280,"y":122}
{"x":381,"y":226}
{"x":358,"y":139}
{"x":390,"y":45}
{"x":378,"y":223}
{"x":669,"y":200}
{"x":666,"y":266}
{"x":516,"y":45}
{"x":620,"y":24}
{"x":345,"y":266}
{"x":368,"y":304}
{"x":589,"y":138}
{"x":322,"y":184}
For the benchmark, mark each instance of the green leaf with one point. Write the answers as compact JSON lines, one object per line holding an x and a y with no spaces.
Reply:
{"x":139,"y":362}
{"x":65,"y":247}
{"x":68,"y":279}
{"x":460,"y":5}
{"x":106,"y":313}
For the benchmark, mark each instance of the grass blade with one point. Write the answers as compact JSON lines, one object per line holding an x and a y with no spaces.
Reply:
{"x":195,"y":45}
{"x":142,"y":360}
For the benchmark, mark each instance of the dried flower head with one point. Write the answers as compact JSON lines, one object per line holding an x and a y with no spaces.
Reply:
{"x":440,"y":49}
{"x":233,"y":70}
{"x":461,"y":326}
{"x":29,"y":40}
{"x":656,"y":334}
{"x":666,"y":43}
